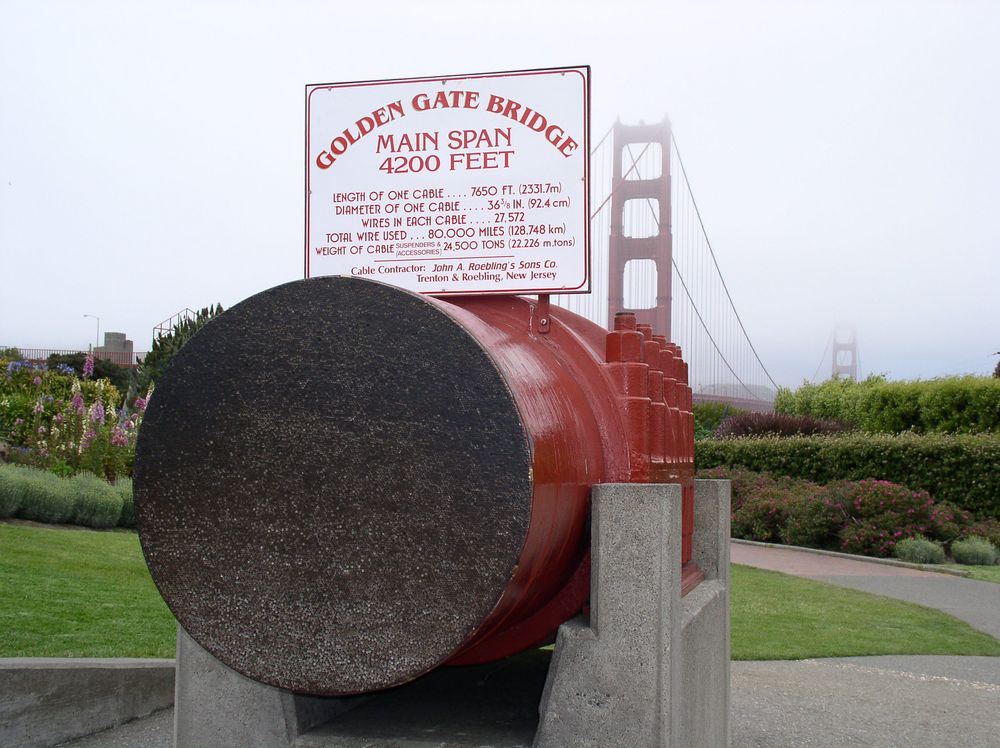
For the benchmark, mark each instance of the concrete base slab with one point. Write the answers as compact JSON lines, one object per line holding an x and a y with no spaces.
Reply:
{"x":45,"y":701}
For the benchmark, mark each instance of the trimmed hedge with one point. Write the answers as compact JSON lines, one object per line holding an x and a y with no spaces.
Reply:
{"x":962,"y":469}
{"x":974,"y":551}
{"x":920,"y":550}
{"x":10,"y":495}
{"x":83,"y":499}
{"x":40,"y":496}
{"x":962,"y":405}
{"x":124,"y":488}
{"x":98,"y":504}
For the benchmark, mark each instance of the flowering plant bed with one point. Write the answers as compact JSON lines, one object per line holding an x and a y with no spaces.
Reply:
{"x":866,"y":517}
{"x":58,"y":421}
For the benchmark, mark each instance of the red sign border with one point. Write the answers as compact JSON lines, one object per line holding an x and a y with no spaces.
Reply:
{"x":582,"y":70}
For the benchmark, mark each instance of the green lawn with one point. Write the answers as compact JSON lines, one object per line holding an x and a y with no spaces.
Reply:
{"x":78,"y":593}
{"x":82,"y":593}
{"x":779,"y":617}
{"x":982,"y":573}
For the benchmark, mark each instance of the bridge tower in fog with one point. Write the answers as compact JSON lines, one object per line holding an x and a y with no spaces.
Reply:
{"x":641,"y":251}
{"x":651,"y":256}
{"x":844,"y":356}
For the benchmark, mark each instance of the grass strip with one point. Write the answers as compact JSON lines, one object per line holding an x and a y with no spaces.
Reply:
{"x":780,"y":617}
{"x":84,"y":593}
{"x":79,"y":593}
{"x":982,"y":573}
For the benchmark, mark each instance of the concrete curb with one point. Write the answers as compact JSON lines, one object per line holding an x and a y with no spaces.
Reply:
{"x":852,"y":557}
{"x":48,"y":700}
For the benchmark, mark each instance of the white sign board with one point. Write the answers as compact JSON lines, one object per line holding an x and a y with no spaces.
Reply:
{"x":471,"y":184}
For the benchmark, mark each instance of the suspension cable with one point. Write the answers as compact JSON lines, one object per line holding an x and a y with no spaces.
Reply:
{"x":601,"y":141}
{"x":697,"y":212}
{"x":680,"y":277}
{"x":823,"y":357}
{"x":635,"y":165}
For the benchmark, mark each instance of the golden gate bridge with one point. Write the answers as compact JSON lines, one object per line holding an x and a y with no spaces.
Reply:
{"x":651,"y":255}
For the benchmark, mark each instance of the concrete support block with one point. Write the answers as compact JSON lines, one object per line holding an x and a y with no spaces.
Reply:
{"x":216,"y":706}
{"x":648,"y":668}
{"x":48,"y":700}
{"x":711,"y":528}
{"x":705,"y":628}
{"x":616,"y":679}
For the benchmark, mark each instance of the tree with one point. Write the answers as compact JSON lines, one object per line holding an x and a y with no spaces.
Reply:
{"x":165,"y":347}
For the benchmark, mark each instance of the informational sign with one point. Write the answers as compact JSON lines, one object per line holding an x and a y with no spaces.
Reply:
{"x":465,"y":184}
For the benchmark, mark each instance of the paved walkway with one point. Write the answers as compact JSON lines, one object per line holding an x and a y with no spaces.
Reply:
{"x":876,"y":702}
{"x":977,"y":603}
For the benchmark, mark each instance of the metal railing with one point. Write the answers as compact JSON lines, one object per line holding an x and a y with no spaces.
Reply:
{"x":127,"y":359}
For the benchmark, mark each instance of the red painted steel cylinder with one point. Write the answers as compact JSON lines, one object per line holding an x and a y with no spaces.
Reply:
{"x":591,"y":407}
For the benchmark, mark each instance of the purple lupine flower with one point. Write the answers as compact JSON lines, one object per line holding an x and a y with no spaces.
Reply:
{"x":119,"y":438}
{"x":97,"y":412}
{"x":77,"y":403}
{"x":88,"y":366}
{"x":87,"y":439}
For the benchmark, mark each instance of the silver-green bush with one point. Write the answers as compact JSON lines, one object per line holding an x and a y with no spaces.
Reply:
{"x":44,"y":497}
{"x":124,"y":488}
{"x":10,"y":494}
{"x":919,"y":550}
{"x":974,"y":552}
{"x":98,"y":504}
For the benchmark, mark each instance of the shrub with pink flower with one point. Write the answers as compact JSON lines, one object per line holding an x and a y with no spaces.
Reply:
{"x":63,"y":423}
{"x":869,"y":517}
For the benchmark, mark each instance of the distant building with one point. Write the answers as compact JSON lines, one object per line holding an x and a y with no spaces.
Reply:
{"x":117,"y":348}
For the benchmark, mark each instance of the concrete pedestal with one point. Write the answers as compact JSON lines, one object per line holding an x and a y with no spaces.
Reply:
{"x":648,"y":669}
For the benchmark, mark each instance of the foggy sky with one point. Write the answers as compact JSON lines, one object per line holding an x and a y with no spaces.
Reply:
{"x":844,"y":155}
